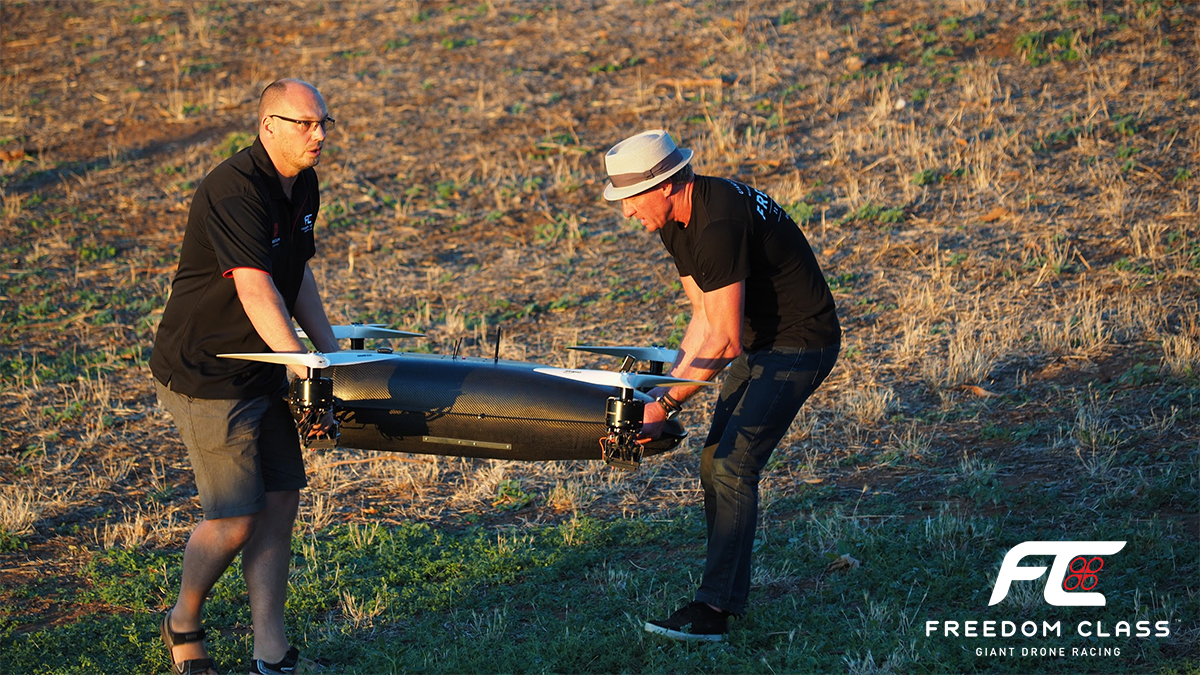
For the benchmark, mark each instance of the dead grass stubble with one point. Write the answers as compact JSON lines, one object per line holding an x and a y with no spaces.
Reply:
{"x":429,"y":234}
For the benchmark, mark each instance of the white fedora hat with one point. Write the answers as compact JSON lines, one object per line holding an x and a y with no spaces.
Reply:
{"x":640,"y":162}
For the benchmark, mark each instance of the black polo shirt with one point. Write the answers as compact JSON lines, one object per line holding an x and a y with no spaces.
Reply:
{"x":738,"y":233}
{"x":239,"y":218}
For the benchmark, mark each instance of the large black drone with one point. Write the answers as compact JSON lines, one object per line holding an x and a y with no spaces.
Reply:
{"x":477,"y":407}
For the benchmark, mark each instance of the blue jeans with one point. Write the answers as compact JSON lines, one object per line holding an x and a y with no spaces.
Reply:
{"x":762,"y":393}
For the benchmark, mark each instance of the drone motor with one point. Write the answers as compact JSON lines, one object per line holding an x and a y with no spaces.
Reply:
{"x":620,"y":448}
{"x":310,"y":400}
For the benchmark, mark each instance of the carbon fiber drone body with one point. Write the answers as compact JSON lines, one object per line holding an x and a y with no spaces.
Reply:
{"x":475,"y":407}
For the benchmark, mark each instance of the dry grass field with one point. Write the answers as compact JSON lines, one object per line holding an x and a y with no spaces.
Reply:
{"x":1004,"y":195}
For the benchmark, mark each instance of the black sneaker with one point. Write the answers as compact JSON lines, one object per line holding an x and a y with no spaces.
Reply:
{"x":696,"y":621}
{"x":292,"y":664}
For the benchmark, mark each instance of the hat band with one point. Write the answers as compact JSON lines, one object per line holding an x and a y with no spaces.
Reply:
{"x":621,"y":180}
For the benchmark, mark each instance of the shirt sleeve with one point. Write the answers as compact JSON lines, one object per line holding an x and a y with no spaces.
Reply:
{"x":721,"y":255}
{"x":239,"y":232}
{"x":670,"y":237}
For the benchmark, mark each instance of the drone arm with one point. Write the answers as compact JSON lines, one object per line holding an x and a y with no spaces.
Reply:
{"x":267,"y":312}
{"x":310,"y":314}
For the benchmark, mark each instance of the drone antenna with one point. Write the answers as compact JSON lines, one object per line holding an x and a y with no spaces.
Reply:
{"x":627,"y":364}
{"x":457,"y":344}
{"x":496,"y":358}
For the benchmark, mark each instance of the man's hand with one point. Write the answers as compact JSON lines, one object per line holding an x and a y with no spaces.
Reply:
{"x":652,"y":422}
{"x":324,"y":427}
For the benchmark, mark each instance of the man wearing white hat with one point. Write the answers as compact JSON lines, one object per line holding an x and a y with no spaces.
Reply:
{"x":760,"y":301}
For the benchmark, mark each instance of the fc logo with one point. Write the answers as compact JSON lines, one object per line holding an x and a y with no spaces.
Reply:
{"x":1083,"y":573}
{"x":1080,"y":558}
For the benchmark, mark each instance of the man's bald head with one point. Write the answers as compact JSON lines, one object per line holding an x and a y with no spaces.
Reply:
{"x":279,"y":90}
{"x":291,"y":125}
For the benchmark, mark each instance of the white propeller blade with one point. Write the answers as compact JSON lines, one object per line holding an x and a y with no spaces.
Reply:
{"x":608,"y":378}
{"x":353,"y":358}
{"x":313,"y":359}
{"x":659,"y":354}
{"x":362,"y":331}
{"x":310,"y":359}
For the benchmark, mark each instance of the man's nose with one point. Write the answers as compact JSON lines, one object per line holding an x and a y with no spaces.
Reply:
{"x":626,"y":208}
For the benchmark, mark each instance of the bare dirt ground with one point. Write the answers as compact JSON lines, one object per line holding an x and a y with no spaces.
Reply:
{"x":1004,"y":196}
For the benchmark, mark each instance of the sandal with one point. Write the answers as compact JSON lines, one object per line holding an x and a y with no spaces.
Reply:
{"x":170,"y":638}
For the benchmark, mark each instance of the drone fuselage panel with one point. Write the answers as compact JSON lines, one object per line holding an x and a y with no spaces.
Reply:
{"x":474,"y":407}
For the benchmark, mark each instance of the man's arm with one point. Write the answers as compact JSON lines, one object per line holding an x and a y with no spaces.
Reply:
{"x":714,"y":335}
{"x":268,"y":313}
{"x":713,"y":339}
{"x":693,"y":337}
{"x":310,"y":314}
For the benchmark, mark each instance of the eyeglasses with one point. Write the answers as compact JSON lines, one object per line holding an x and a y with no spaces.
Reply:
{"x":307,"y":125}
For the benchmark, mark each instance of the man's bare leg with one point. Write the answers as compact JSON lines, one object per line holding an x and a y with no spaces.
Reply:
{"x":210,"y":549}
{"x":266,"y":560}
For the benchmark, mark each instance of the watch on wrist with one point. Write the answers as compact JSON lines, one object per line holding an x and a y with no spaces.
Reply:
{"x":670,"y":406}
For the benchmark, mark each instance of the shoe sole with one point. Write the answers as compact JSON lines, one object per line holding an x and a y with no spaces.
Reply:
{"x":679,"y":635}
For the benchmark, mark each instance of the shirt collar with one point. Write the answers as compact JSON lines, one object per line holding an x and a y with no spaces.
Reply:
{"x":262,"y":162}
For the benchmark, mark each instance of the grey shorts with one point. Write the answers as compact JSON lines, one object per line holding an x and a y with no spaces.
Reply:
{"x":240,"y":449}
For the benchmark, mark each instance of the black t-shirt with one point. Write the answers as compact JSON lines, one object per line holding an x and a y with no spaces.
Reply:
{"x":738,"y":233}
{"x":239,"y":218}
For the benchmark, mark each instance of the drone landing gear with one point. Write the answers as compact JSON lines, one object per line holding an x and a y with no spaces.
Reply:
{"x":620,"y":448}
{"x":311,"y":402}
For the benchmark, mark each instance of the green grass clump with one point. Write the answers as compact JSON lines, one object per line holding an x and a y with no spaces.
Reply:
{"x":10,"y":541}
{"x":874,"y":213}
{"x":232,"y":143}
{"x":1041,"y":47}
{"x":801,"y":212}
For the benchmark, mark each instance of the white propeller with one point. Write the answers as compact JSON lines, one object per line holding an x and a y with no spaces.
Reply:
{"x":360,"y":331}
{"x":657,"y":354}
{"x":608,"y":378}
{"x":312,"y":359}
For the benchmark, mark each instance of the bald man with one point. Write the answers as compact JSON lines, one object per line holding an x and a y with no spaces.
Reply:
{"x":243,"y":276}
